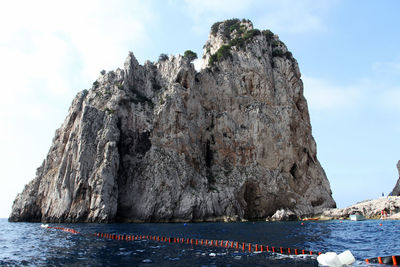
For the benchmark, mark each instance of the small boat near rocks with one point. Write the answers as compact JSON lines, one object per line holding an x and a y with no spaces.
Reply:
{"x":357,"y":217}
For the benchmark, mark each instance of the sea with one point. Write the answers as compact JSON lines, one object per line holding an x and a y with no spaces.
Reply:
{"x":28,"y":244}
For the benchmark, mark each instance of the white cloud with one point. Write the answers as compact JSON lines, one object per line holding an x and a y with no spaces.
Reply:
{"x":200,"y":7}
{"x":323,"y":95}
{"x":206,"y":12}
{"x":295,"y":16}
{"x":392,"y":68}
{"x":280,"y":16}
{"x":389,"y":99}
{"x":388,"y":73}
{"x":198,"y":63}
{"x":47,"y":44}
{"x":387,"y":90}
{"x":98,"y":34}
{"x":49,"y":50}
{"x":366,"y":95}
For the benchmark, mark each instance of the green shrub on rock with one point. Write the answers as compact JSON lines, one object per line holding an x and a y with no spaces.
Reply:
{"x":230,"y":26}
{"x":243,"y":36}
{"x":222,"y":53}
{"x":268,"y":34}
{"x":190,"y":55}
{"x":214,"y":28}
{"x":250,"y":34}
{"x":96,"y":84}
{"x":109,"y":111}
{"x":163,"y":57}
{"x":278,"y":53}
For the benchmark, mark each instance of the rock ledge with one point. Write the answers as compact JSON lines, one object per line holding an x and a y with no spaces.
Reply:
{"x":371,"y":209}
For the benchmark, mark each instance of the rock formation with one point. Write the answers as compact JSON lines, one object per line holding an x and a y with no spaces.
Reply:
{"x":396,"y":189}
{"x":371,"y":209}
{"x":162,"y":142}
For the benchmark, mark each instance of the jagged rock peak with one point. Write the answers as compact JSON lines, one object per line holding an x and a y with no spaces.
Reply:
{"x":232,"y":35}
{"x":222,"y":33}
{"x":162,"y":142}
{"x":396,"y":189}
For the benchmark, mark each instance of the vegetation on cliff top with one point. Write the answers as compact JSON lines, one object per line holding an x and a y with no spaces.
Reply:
{"x":243,"y":37}
{"x":190,"y":55}
{"x":163,"y":57}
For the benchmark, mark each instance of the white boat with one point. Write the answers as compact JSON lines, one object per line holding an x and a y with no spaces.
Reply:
{"x":357,"y":217}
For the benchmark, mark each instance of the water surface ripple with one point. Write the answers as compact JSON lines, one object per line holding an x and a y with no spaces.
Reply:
{"x":27,"y":244}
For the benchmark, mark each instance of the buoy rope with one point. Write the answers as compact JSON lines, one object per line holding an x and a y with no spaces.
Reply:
{"x":69,"y":230}
{"x":244,"y":246}
{"x":388,"y":260}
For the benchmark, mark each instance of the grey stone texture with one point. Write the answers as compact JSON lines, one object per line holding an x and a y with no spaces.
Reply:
{"x":164,"y":143}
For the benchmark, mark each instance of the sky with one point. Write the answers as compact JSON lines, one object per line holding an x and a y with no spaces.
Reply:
{"x":347,"y":51}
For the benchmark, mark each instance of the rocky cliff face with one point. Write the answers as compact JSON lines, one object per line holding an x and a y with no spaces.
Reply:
{"x":163,"y":142}
{"x":396,"y":189}
{"x":371,"y":209}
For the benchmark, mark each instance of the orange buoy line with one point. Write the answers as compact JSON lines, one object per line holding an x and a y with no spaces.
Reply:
{"x":250,"y":247}
{"x":388,"y":260}
{"x":69,"y":230}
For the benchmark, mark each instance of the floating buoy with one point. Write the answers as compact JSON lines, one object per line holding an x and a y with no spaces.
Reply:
{"x":332,"y":259}
{"x":329,"y":259}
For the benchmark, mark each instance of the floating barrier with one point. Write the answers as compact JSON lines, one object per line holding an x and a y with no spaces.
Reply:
{"x":332,"y":259}
{"x":250,"y":247}
{"x":69,"y":230}
{"x":389,"y":260}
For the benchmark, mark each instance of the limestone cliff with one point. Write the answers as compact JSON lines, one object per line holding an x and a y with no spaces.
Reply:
{"x":371,"y":209}
{"x":163,"y":142}
{"x":396,"y":189}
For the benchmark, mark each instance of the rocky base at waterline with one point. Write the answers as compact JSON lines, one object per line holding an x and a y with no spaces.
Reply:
{"x":162,"y":142}
{"x":371,"y":209}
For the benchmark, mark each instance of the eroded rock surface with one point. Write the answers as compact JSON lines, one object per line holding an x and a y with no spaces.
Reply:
{"x":163,"y":142}
{"x":371,"y":209}
{"x":396,"y":189}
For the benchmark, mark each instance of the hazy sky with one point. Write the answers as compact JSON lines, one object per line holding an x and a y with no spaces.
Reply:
{"x":348,"y":53}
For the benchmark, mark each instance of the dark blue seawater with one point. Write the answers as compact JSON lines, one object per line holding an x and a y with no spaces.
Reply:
{"x":27,"y":244}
